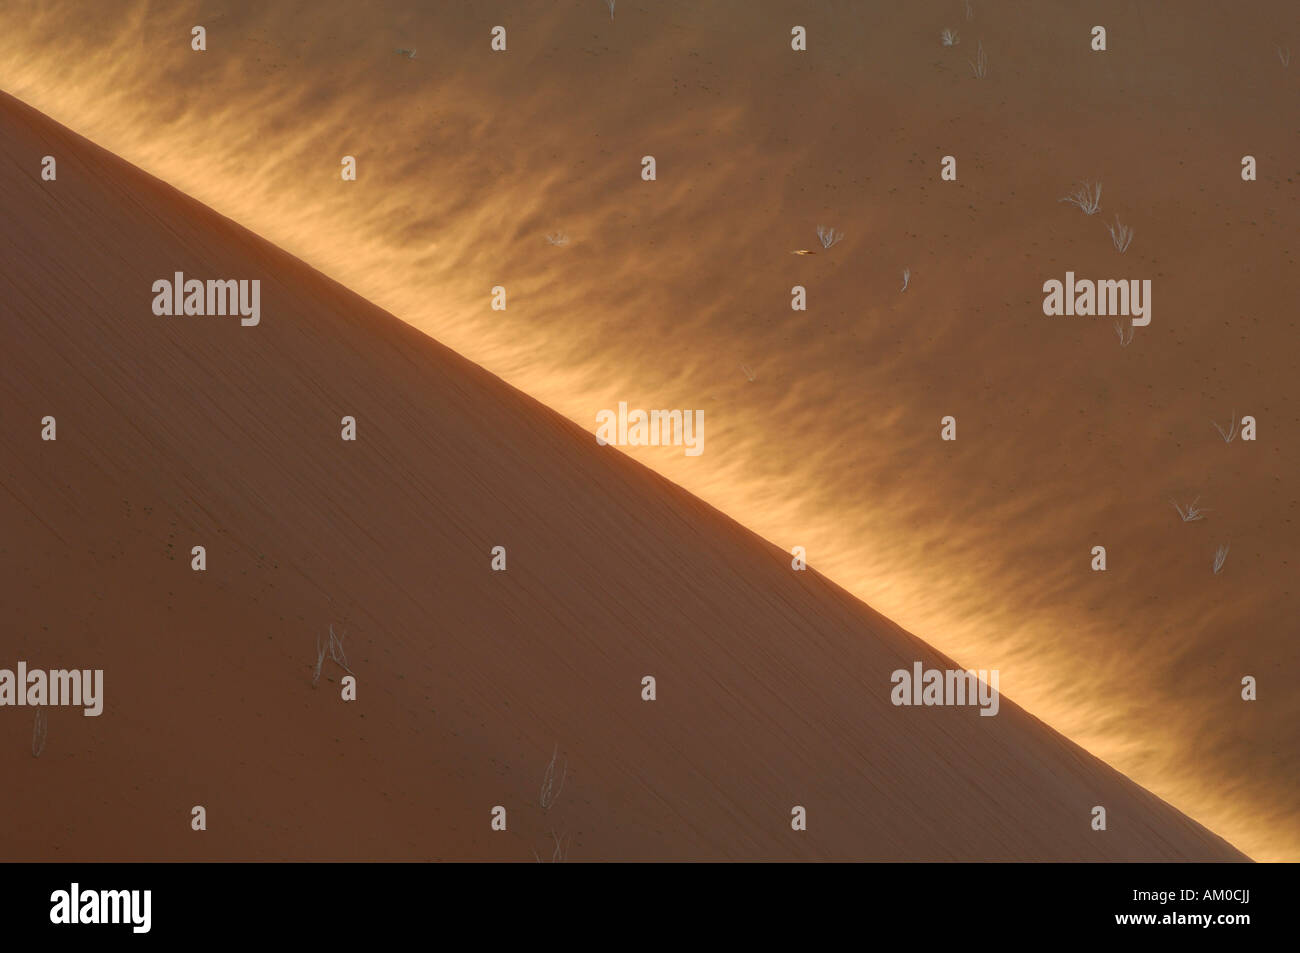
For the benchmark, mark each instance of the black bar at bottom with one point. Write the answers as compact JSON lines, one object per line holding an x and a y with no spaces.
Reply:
{"x":468,"y":903}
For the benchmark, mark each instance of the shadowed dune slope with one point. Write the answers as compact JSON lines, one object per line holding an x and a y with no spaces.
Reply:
{"x":773,"y":686}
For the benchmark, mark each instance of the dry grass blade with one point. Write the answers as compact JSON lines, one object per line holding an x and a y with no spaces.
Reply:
{"x":829,"y":236}
{"x":320,"y":661}
{"x":1121,"y":235}
{"x":559,"y":853}
{"x":1191,"y":512}
{"x":39,"y":731}
{"x":1087,"y":197}
{"x":336,"y":650}
{"x":1230,"y":432}
{"x":550,"y":789}
{"x":1125,"y":332}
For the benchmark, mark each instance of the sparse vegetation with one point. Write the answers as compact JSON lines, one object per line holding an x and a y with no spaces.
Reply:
{"x":829,"y":236}
{"x":1191,"y":512}
{"x":1230,"y":432}
{"x":748,"y":372}
{"x":980,"y":65}
{"x":1125,"y":331}
{"x":559,"y":853}
{"x":1220,"y":556}
{"x":1087,"y":197}
{"x":1120,"y":235}
{"x":948,"y":37}
{"x":39,"y":730}
{"x":610,"y":4}
{"x":320,"y":661}
{"x":334,"y":648}
{"x":557,"y":238}
{"x":1284,"y":56}
{"x":550,"y":789}
{"x":907,"y":278}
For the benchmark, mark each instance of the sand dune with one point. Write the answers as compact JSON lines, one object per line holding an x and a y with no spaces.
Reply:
{"x":773,"y":685}
{"x":467,"y":159}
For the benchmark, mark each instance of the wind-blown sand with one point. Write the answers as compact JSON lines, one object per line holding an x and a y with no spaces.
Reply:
{"x":468,"y":158}
{"x":773,"y":685}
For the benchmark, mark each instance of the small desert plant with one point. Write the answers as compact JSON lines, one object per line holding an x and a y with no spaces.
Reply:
{"x":1191,"y":512}
{"x":550,"y":791}
{"x":1231,"y":431}
{"x":1087,"y":197}
{"x":948,"y":38}
{"x":829,"y":236}
{"x":748,"y":372}
{"x":557,"y":238}
{"x":980,"y":65}
{"x":1125,"y":332}
{"x":320,"y":661}
{"x":970,"y":11}
{"x":1120,"y":235}
{"x":907,"y":278}
{"x":559,"y":854}
{"x":409,"y":54}
{"x":39,"y":731}
{"x":1284,"y":55}
{"x":610,"y":4}
{"x":334,"y":648}
{"x":1220,"y":556}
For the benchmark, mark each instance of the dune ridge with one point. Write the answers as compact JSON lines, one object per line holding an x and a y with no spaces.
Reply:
{"x":178,"y":431}
{"x":822,"y":426}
